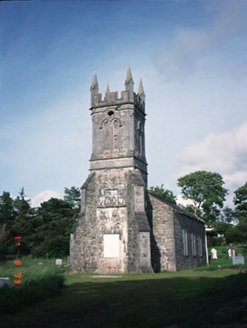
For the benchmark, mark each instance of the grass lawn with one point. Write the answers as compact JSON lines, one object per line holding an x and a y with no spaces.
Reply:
{"x":186,"y":298}
{"x":210,"y":297}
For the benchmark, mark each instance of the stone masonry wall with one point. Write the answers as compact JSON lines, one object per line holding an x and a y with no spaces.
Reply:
{"x":170,"y":225}
{"x":112,"y":205}
{"x":196,"y":248}
{"x":163,"y":243}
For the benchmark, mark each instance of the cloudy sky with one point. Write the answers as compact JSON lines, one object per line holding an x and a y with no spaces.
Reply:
{"x":190,"y":54}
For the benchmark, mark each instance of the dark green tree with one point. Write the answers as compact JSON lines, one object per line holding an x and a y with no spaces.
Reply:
{"x":239,"y":233}
{"x":221,"y":227}
{"x":73,"y":196}
{"x":7,"y":215}
{"x":23,"y":223}
{"x":240,"y":200}
{"x":7,"y":212}
{"x":54,"y":221}
{"x":206,"y":191}
{"x":163,"y":193}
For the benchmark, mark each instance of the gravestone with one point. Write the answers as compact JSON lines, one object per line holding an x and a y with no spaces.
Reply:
{"x":59,"y":262}
{"x":238,"y":260}
{"x":231,"y":253}
{"x":4,"y":281}
{"x":214,"y":254}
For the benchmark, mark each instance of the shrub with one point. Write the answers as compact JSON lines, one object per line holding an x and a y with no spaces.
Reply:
{"x":40,"y":280}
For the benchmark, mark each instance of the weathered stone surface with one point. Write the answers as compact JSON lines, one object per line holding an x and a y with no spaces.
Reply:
{"x":120,"y":229}
{"x":110,"y":206}
{"x":169,"y":221}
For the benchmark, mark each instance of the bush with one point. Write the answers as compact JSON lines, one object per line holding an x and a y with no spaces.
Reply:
{"x":215,"y":241}
{"x":13,"y":300}
{"x":40,"y":280}
{"x":56,"y":247}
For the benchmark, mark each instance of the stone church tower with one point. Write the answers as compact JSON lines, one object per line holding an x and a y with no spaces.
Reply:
{"x":112,"y":232}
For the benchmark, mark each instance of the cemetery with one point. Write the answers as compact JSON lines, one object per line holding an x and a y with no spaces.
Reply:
{"x":132,"y":300}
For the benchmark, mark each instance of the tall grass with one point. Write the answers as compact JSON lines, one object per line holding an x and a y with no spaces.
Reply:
{"x":40,"y":279}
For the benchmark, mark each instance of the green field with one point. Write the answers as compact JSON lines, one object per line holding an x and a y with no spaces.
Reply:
{"x":183,"y":299}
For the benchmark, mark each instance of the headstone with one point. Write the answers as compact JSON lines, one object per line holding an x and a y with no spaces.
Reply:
{"x":59,"y":262}
{"x":214,"y":254}
{"x":238,"y":260}
{"x":231,"y":253}
{"x":4,"y":281}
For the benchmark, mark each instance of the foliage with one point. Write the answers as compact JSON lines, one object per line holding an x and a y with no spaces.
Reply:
{"x":40,"y":281}
{"x":206,"y":191}
{"x":227,"y":214}
{"x":215,"y":241}
{"x":6,"y":217}
{"x":43,"y":230}
{"x":73,"y":196}
{"x":163,"y":193}
{"x":221,"y":227}
{"x":54,"y":220}
{"x":240,"y":200}
{"x":239,"y":233}
{"x":23,"y":222}
{"x":193,"y":210}
{"x":7,"y":213}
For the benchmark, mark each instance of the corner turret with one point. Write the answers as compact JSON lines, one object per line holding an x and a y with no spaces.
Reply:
{"x":94,"y":89}
{"x":129,"y":84}
{"x":111,"y":98}
{"x":141,"y":92}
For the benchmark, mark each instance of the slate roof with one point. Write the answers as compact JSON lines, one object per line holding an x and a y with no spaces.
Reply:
{"x":177,"y":208}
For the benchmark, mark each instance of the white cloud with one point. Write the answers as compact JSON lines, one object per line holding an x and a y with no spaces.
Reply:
{"x":225,"y":153}
{"x":181,"y":201}
{"x":190,"y":45}
{"x":44,"y":196}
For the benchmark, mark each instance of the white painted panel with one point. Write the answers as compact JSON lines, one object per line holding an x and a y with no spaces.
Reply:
{"x":111,"y":245}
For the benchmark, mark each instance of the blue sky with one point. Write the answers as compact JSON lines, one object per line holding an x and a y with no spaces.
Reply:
{"x":191,"y":56}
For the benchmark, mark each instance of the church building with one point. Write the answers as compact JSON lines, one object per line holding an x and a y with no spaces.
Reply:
{"x":121,"y":227}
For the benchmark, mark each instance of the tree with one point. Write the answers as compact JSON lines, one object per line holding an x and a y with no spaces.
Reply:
{"x":221,"y":227}
{"x":192,"y":209}
{"x":206,"y":191}
{"x":227,"y":214}
{"x":23,"y":223}
{"x":239,"y":233}
{"x":52,"y":232}
{"x":6,"y":208}
{"x":163,"y":193}
{"x":240,"y":200}
{"x":7,"y":215}
{"x":73,"y":196}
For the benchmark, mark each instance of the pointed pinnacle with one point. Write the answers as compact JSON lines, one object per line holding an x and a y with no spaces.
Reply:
{"x":107,"y":90}
{"x":141,"y":90}
{"x":129,"y":77}
{"x":94,"y":84}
